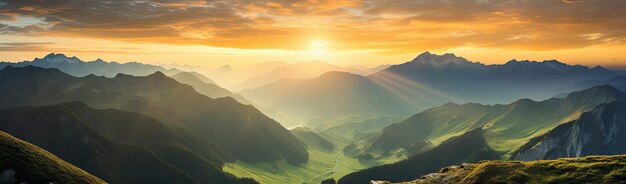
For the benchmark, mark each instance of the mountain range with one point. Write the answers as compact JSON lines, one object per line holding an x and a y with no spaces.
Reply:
{"x":137,"y":123}
{"x":506,"y":127}
{"x":222,"y":128}
{"x":161,"y":97}
{"x":477,"y":82}
{"x":337,"y":94}
{"x":207,"y":87}
{"x":255,"y":75}
{"x":427,"y":81}
{"x":597,"y":131}
{"x":119,"y":147}
{"x":77,"y":67}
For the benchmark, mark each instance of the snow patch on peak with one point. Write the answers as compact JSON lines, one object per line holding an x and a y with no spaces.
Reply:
{"x":439,"y":61}
{"x":58,"y":58}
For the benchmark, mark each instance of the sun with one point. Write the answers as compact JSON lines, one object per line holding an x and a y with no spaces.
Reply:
{"x":317,"y":48}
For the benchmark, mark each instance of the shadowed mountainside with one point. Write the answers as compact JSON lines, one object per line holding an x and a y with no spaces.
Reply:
{"x":118,"y":146}
{"x":241,"y":130}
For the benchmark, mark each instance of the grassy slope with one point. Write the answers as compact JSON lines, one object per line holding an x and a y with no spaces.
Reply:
{"x":506,"y":127}
{"x":592,"y":169}
{"x":322,"y":164}
{"x":35,"y":165}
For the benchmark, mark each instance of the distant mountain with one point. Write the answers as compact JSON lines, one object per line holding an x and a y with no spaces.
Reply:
{"x":313,"y":139}
{"x":339,"y":94}
{"x":477,"y":82}
{"x":506,"y":127}
{"x":273,"y":71}
{"x":119,"y":146}
{"x":241,"y":130}
{"x":427,"y":81}
{"x":209,"y":89}
{"x":364,"y":70}
{"x":22,"y":162}
{"x":601,"y":131}
{"x":76,"y":67}
{"x":593,"y":169}
{"x":351,"y":128}
{"x":469,"y":147}
{"x":618,"y":82}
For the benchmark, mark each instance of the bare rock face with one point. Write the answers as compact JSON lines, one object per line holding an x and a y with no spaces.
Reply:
{"x":601,"y":131}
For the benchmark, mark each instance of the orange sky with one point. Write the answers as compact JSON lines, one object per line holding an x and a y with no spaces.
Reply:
{"x":213,"y":33}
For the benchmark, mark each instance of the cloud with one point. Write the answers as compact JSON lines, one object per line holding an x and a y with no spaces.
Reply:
{"x":22,"y":46}
{"x":392,"y":26}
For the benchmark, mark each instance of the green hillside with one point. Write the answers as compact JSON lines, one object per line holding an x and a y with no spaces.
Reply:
{"x":22,"y":162}
{"x":592,"y":169}
{"x":313,"y":139}
{"x":506,"y":127}
{"x":469,"y":147}
{"x":323,"y":163}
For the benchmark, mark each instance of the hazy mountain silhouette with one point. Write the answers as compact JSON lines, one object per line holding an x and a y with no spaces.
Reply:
{"x":338,"y":94}
{"x":618,"y":82}
{"x":273,"y":71}
{"x":22,"y":162}
{"x":77,"y":67}
{"x":241,"y":130}
{"x":601,"y":131}
{"x":427,"y":81}
{"x":500,"y":83}
{"x":209,"y":89}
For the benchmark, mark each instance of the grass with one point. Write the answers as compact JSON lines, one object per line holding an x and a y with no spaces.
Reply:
{"x":35,"y":165}
{"x":322,"y":164}
{"x":592,"y":169}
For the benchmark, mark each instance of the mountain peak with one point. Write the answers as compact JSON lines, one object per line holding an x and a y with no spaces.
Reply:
{"x":58,"y":58}
{"x":54,"y":55}
{"x":158,"y":74}
{"x":439,"y":60}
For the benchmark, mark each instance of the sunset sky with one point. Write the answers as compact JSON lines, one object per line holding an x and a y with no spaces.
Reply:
{"x":366,"y":32}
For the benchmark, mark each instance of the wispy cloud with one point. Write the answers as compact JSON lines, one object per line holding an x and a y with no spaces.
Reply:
{"x":392,"y":26}
{"x":22,"y":46}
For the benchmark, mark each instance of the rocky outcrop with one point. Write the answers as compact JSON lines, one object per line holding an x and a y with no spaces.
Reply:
{"x":601,"y":131}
